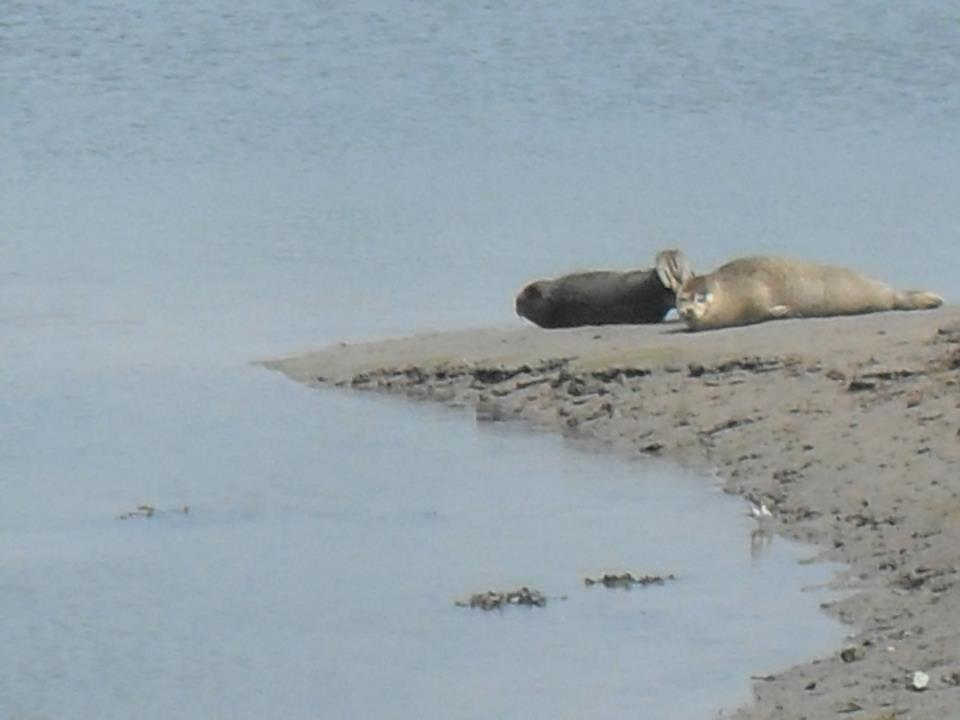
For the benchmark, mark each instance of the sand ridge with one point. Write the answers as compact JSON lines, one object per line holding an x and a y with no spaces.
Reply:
{"x":848,"y":429}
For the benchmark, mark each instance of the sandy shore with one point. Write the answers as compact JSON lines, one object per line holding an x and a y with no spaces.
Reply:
{"x":847,"y":428}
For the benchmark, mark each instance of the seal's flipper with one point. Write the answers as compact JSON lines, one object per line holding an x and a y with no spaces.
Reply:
{"x":673,"y":269}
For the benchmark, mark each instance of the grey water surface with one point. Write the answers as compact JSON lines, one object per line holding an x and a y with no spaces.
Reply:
{"x":189,"y":187}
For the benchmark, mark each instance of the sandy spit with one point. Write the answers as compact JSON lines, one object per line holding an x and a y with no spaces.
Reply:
{"x":847,"y":428}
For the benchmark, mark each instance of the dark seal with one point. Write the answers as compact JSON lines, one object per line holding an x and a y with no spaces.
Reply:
{"x":606,"y":297}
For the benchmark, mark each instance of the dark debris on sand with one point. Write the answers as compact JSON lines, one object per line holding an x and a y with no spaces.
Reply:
{"x":627,"y":580}
{"x":148,"y":511}
{"x":495,"y":600}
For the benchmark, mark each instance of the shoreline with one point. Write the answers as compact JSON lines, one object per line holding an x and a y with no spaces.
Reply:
{"x":848,"y":429}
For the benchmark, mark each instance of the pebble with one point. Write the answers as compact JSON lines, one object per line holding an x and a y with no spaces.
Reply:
{"x":919,"y":681}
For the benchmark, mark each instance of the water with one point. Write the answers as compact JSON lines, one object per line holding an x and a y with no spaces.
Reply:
{"x":316,"y":571}
{"x":186,"y":189}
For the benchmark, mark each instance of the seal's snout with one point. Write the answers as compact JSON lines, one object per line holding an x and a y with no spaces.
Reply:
{"x":524,"y":298}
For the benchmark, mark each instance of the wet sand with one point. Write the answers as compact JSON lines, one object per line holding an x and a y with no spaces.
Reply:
{"x":848,"y":429}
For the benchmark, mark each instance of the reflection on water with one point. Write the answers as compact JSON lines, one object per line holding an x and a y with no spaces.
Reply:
{"x":189,"y":188}
{"x":760,"y":541}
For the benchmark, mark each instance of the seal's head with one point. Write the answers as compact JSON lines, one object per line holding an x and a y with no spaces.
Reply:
{"x":694,"y":301}
{"x":533,"y":303}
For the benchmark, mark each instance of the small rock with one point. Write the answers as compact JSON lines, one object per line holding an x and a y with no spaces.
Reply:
{"x":919,"y":681}
{"x":850,"y":707}
{"x":852,"y":654}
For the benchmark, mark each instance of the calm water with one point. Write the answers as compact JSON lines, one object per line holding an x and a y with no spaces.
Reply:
{"x":186,"y":189}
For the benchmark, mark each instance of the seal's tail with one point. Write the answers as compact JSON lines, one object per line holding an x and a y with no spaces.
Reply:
{"x":917,"y":300}
{"x":673,"y":269}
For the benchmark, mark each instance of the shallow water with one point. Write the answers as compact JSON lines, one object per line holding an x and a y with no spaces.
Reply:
{"x":188,"y":189}
{"x":326,"y":540}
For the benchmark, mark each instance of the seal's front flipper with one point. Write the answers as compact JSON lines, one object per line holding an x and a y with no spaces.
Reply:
{"x":781,"y":311}
{"x":673,"y":269}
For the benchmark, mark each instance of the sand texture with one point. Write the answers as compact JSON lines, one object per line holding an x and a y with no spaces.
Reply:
{"x":847,"y":428}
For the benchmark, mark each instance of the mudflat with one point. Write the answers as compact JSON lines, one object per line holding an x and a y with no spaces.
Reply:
{"x":847,"y":429}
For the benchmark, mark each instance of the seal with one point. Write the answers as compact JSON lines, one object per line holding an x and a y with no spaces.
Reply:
{"x":605,"y":297}
{"x":755,"y":289}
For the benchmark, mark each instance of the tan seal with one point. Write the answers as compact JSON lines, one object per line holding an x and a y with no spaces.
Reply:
{"x":605,"y":297}
{"x":755,"y":289}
